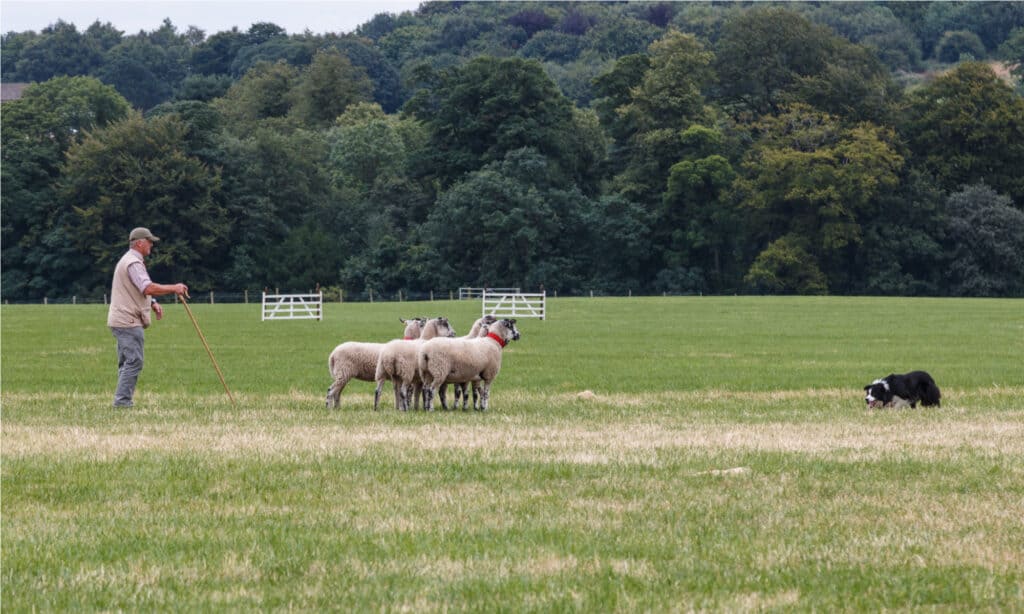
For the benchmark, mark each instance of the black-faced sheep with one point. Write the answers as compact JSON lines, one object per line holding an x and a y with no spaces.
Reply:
{"x":397,"y":362}
{"x":358,"y":360}
{"x":464,"y":360}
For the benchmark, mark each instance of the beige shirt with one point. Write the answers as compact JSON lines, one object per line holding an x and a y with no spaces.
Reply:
{"x":129,"y":307}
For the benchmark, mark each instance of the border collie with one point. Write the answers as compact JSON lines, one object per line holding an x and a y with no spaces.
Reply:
{"x":898,"y":391}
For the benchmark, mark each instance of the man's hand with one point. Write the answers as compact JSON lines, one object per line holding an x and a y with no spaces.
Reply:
{"x":181,"y":290}
{"x":158,"y":310}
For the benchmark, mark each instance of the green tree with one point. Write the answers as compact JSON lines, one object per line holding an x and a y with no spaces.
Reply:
{"x":785,"y":267}
{"x":670,"y":93}
{"x":617,"y":241}
{"x":37,"y":131}
{"x":614,"y":90}
{"x":985,"y":242}
{"x":524,"y":233}
{"x":763,"y":53}
{"x":815,"y":181}
{"x":216,"y":54}
{"x":329,"y":85}
{"x":967,"y":127}
{"x":59,"y":50}
{"x":262,"y":93}
{"x":137,"y":172}
{"x":696,"y":220}
{"x":203,"y":87}
{"x":294,"y":51}
{"x":147,"y":67}
{"x":959,"y":44}
{"x":479,"y":112}
{"x":367,"y":146}
{"x":667,"y":100}
{"x":276,"y":184}
{"x":388,"y":89}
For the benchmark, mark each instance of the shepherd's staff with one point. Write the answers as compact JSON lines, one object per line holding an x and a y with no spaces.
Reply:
{"x":206,"y":345}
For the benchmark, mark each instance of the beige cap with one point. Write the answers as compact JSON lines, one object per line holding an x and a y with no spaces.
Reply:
{"x":142,"y":233}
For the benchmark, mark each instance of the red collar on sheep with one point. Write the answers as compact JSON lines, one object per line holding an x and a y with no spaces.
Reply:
{"x":409,"y":338}
{"x":500,"y":341}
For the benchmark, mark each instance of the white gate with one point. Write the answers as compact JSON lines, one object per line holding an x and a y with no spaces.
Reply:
{"x":465,"y":292}
{"x":293,"y":306}
{"x":517,"y":305}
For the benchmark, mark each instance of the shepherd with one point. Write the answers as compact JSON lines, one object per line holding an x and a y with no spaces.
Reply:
{"x":132,"y":296}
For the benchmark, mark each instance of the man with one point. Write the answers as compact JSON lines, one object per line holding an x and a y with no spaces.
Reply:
{"x":131,"y":298}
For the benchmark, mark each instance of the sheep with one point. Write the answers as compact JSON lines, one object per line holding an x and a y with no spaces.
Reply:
{"x":397,"y":362}
{"x":464,"y":360}
{"x":354,"y":359}
{"x":479,"y":329}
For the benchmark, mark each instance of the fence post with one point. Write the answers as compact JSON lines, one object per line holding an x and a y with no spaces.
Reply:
{"x":246,"y":293}
{"x":431,"y":296}
{"x":46,"y":301}
{"x":341,"y":295}
{"x":211,"y":297}
{"x":371,"y":295}
{"x":74,"y":300}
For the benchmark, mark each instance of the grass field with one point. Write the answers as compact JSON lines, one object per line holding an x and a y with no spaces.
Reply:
{"x":725,"y":461}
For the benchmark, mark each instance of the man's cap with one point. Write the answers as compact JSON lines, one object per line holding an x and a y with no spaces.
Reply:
{"x":142,"y":233}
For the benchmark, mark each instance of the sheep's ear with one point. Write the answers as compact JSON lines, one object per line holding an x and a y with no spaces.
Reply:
{"x":401,"y":320}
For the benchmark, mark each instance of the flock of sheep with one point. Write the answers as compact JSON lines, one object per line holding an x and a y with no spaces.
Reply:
{"x":425,"y":361}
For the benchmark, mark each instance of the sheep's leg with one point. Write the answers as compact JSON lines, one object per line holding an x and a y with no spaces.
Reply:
{"x":458,"y":395}
{"x":476,"y":395}
{"x":485,"y":395}
{"x":376,"y":394}
{"x":428,"y":398}
{"x":334,"y":392}
{"x":417,"y":394}
{"x":399,"y":395}
{"x":442,"y":394}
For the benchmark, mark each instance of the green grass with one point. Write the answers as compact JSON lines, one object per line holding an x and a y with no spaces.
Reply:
{"x":725,"y":461}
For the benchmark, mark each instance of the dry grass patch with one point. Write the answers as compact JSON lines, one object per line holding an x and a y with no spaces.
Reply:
{"x":624,"y":440}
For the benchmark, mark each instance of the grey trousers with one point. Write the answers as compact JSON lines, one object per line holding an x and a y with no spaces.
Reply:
{"x":129,"y":363}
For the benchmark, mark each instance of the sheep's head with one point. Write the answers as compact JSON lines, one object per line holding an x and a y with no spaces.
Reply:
{"x":506,"y":329}
{"x":443,"y":327}
{"x":413,"y":327}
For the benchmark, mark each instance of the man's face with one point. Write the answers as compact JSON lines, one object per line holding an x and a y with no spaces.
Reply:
{"x":144,"y":246}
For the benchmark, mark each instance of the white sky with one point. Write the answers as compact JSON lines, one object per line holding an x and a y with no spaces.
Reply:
{"x":211,"y":16}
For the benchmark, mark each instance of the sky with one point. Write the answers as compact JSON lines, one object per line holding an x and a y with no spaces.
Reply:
{"x":211,"y":16}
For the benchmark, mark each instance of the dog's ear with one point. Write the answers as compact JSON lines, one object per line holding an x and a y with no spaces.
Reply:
{"x":866,"y":388}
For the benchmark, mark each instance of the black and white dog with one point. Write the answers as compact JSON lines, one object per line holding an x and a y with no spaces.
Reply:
{"x":901,"y":390}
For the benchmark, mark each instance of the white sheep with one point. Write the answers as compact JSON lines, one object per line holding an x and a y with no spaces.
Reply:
{"x":358,"y":360}
{"x":397,"y":362}
{"x":455,"y":361}
{"x":479,"y":329}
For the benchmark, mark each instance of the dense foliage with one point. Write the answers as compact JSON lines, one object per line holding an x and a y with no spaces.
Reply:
{"x":846,"y":148}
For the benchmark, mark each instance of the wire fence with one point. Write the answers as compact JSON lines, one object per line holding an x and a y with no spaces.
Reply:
{"x":330,"y":296}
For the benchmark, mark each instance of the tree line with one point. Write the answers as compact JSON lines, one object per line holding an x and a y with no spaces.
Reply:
{"x":844,"y":148}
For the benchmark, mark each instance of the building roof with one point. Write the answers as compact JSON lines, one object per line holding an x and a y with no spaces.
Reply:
{"x":11,"y":91}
